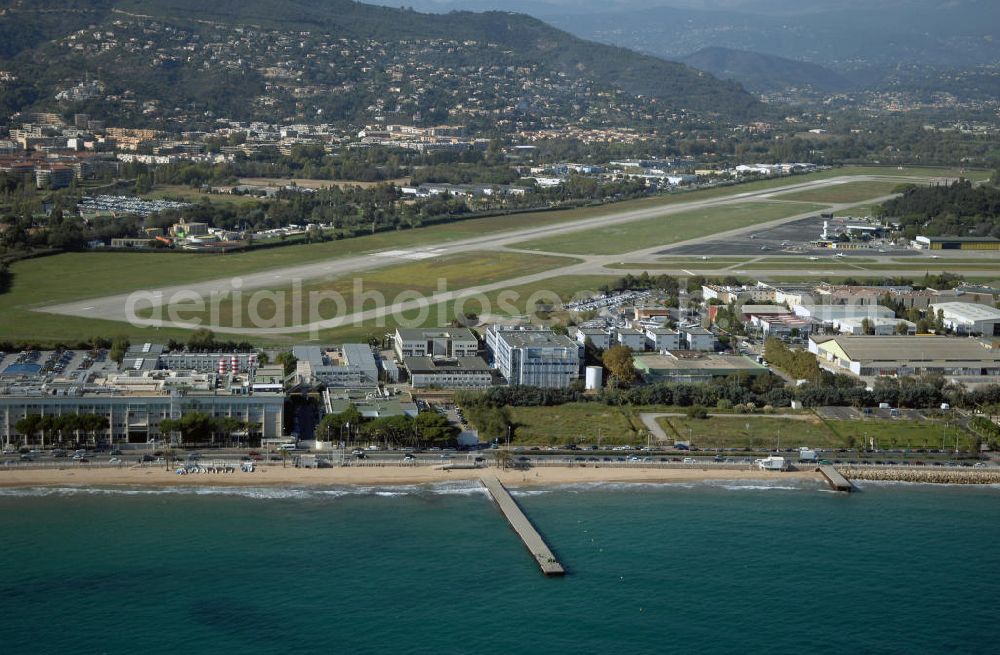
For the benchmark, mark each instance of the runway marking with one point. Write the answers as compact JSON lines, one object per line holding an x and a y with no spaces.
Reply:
{"x":410,"y":254}
{"x":687,"y":271}
{"x":83,"y":309}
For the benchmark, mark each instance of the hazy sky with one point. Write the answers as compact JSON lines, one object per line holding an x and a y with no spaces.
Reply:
{"x":591,"y":6}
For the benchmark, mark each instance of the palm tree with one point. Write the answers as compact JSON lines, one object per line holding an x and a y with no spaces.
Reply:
{"x":503,"y":458}
{"x":168,"y":456}
{"x":46,"y":424}
{"x":28,"y":426}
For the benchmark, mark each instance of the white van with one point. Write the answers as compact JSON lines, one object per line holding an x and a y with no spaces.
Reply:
{"x":287,"y":446}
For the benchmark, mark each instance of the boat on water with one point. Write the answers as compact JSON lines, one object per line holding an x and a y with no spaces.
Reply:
{"x":772,"y":463}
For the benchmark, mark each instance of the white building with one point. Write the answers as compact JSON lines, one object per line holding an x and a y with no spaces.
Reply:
{"x":782,"y":326}
{"x":632,"y":339}
{"x":135,"y":402}
{"x":600,"y":337}
{"x":968,"y":317}
{"x":698,"y":338}
{"x":533,"y":357}
{"x":352,"y":365}
{"x":661,"y":339}
{"x":832,"y":313}
{"x":439,"y":342}
{"x":880,"y":326}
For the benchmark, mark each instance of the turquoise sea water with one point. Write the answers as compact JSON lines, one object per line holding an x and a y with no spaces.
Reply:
{"x":706,"y":568}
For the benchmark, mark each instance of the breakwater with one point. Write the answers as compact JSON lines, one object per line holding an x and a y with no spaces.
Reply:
{"x":928,"y":475}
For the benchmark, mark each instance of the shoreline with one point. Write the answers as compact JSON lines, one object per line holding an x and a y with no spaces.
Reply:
{"x":269,"y":476}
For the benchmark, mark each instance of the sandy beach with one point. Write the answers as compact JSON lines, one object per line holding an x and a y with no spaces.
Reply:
{"x":376,"y":476}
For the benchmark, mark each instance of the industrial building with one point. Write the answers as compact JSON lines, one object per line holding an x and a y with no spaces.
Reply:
{"x":956,"y":243}
{"x":748,"y":311}
{"x":533,"y":357}
{"x":439,"y":342}
{"x":869,"y":356}
{"x":832,"y":313}
{"x":352,"y":365}
{"x":458,"y":373}
{"x":782,"y":326}
{"x":968,"y":317}
{"x":689,"y":366}
{"x":878,"y":326}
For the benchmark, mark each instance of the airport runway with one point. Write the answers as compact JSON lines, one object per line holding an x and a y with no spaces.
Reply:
{"x":115,"y":307}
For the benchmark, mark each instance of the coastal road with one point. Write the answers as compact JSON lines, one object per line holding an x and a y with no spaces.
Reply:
{"x":115,"y":307}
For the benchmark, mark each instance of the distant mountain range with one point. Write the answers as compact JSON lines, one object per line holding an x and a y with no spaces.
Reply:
{"x":766,"y":73}
{"x":133,"y":46}
{"x":861,"y":39}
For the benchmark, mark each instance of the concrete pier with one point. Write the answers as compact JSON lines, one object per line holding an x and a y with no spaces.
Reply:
{"x":836,"y":480}
{"x":523,"y":527}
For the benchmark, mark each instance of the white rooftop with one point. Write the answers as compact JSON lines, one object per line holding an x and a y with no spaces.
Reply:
{"x":968,"y":311}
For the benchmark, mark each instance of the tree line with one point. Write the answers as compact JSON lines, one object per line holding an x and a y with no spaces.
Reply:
{"x":427,"y":428}
{"x":57,"y":429}
{"x":956,"y":209}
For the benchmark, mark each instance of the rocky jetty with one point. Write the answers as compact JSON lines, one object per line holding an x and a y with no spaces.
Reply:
{"x":935,"y":475}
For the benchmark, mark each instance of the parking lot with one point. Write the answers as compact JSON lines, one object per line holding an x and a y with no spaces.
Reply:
{"x":787,"y":239}
{"x":34,"y":364}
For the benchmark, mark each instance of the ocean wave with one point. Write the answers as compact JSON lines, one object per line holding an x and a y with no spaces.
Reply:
{"x":759,"y":487}
{"x":520,"y":493}
{"x":587,"y":487}
{"x":256,"y":493}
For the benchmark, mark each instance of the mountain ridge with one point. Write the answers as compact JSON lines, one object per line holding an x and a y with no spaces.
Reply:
{"x":766,"y":73}
{"x":33,"y":28}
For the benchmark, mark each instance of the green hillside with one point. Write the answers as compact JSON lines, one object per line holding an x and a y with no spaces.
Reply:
{"x":254,"y":58}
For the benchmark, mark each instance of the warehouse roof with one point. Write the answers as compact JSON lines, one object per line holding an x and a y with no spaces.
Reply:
{"x":459,"y":364}
{"x":909,"y":349}
{"x":968,"y":311}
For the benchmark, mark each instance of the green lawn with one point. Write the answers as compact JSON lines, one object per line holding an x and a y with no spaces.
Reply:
{"x":711,"y":262}
{"x":767,"y":432}
{"x":580,"y":423}
{"x":187,"y":194}
{"x":901,"y":433}
{"x":666,"y":229}
{"x":422,"y":277}
{"x":934,"y":265}
{"x":583,"y":423}
{"x":805,"y":267}
{"x":763,"y":431}
{"x":946,"y":260}
{"x":841,"y":193}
